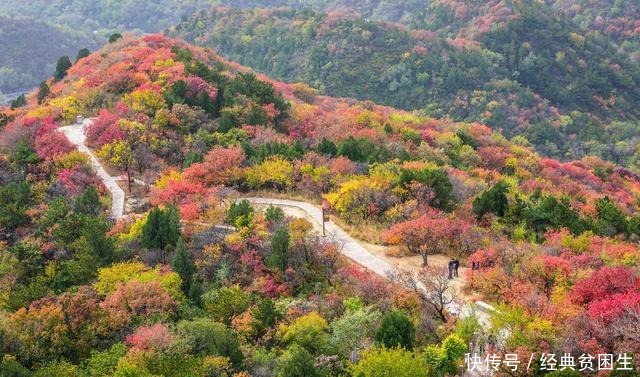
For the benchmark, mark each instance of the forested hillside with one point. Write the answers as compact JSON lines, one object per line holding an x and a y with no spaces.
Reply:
{"x":89,"y":15}
{"x":198,"y":283}
{"x":618,"y":19}
{"x":30,"y":49}
{"x":521,"y":70}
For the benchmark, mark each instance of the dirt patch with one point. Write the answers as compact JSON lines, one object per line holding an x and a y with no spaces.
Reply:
{"x":137,"y":191}
{"x":367,"y":232}
{"x":393,"y":255}
{"x":401,"y":258}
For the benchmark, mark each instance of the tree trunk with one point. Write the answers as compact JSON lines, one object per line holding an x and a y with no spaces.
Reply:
{"x":424,"y":259}
{"x":440,"y":311}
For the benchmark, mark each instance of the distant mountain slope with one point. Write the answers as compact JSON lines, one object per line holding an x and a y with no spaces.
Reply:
{"x":122,"y":15}
{"x":30,"y":50}
{"x":531,"y":73}
{"x":407,"y":12}
{"x":619,"y":19}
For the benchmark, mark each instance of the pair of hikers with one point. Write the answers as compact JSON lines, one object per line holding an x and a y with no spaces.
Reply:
{"x":454,"y":264}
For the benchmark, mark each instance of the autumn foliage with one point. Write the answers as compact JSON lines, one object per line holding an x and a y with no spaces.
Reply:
{"x":552,"y":244}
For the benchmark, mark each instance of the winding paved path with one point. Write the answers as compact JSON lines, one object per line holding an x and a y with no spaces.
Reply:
{"x":350,"y":247}
{"x":75,"y":133}
{"x":359,"y":254}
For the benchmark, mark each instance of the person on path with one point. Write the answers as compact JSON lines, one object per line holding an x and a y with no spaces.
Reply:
{"x":456,"y":264}
{"x":451,"y":268}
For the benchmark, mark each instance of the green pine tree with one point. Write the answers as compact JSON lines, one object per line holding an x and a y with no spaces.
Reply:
{"x":279,"y":249}
{"x":114,"y":37}
{"x":182,"y":263}
{"x":43,"y":92}
{"x":83,"y":53}
{"x":493,"y":200}
{"x":195,"y":291}
{"x":327,"y":147}
{"x":19,"y":102}
{"x":62,"y":66}
{"x":240,"y":210}
{"x":23,"y":155}
{"x":396,"y":330}
{"x":88,"y":203}
{"x":150,"y":230}
{"x":172,"y":219}
{"x":162,"y":229}
{"x":273,"y":214}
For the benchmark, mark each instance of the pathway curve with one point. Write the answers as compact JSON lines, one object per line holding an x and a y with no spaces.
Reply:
{"x":75,"y":133}
{"x":359,"y":254}
{"x":351,"y":248}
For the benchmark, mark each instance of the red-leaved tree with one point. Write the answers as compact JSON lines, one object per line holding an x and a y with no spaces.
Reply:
{"x":431,"y":233}
{"x":220,"y":166}
{"x":604,"y":283}
{"x":151,"y":338}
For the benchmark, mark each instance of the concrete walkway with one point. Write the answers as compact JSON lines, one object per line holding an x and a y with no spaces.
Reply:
{"x":359,"y":254}
{"x":351,"y":248}
{"x":76,"y":135}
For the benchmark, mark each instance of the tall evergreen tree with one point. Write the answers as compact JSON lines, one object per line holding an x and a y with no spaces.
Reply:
{"x":114,"y":37}
{"x":62,"y":66}
{"x":349,"y":148}
{"x":327,"y":147}
{"x":102,"y":246}
{"x":14,"y":201}
{"x":88,"y":203}
{"x":610,"y":219}
{"x":172,"y":219}
{"x":83,"y":53}
{"x":396,"y":330}
{"x":195,"y":291}
{"x":162,"y":228}
{"x":279,"y":249}
{"x":23,"y":155}
{"x":150,"y":232}
{"x":182,"y":263}
{"x":493,"y":200}
{"x":19,"y":102}
{"x":240,"y":213}
{"x":43,"y":92}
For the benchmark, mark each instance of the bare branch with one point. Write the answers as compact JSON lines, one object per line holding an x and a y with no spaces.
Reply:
{"x":432,"y":285}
